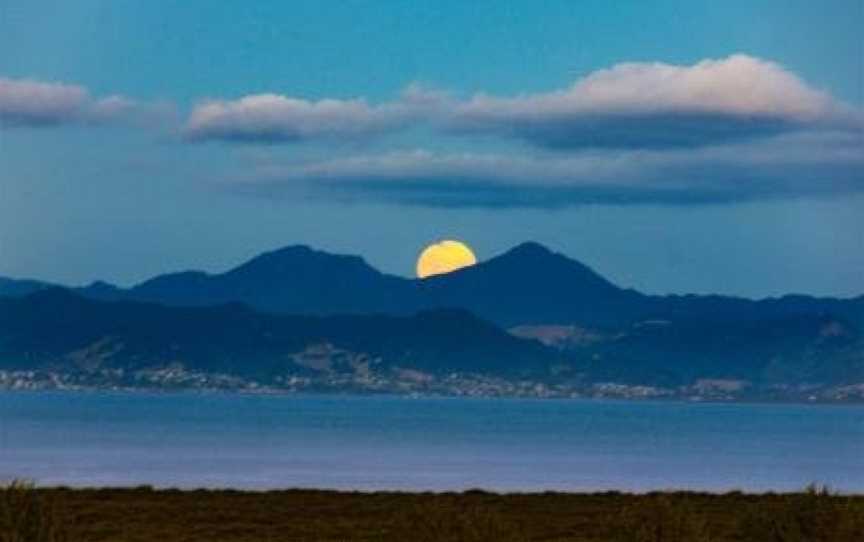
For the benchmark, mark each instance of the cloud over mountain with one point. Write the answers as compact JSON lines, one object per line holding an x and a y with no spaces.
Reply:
{"x":720,"y":130}
{"x":784,"y":166}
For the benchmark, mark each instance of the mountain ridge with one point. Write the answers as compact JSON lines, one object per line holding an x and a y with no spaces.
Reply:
{"x":528,"y":284}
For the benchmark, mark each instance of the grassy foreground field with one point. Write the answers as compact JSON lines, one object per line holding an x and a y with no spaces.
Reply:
{"x":28,"y":514}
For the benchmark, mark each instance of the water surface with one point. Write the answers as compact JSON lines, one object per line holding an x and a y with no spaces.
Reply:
{"x":259,"y":441}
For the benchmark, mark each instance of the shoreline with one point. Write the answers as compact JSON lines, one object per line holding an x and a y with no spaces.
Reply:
{"x":467,"y":492}
{"x":361,"y":394}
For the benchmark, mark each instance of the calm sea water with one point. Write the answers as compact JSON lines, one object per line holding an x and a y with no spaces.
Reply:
{"x":218,"y":440}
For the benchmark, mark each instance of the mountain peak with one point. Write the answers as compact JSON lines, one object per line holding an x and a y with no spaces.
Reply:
{"x":289,"y":251}
{"x":533,"y":254}
{"x":295,"y":257}
{"x":550,"y":272}
{"x":529,"y":248}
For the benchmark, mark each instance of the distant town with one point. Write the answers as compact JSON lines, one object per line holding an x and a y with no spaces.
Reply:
{"x":415,"y":383}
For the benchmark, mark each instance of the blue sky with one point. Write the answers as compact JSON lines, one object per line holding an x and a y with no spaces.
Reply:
{"x":673,"y":146}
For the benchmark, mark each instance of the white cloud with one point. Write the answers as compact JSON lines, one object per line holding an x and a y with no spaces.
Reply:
{"x":273,"y":117}
{"x":656,"y":105}
{"x":25,"y":102}
{"x":629,"y":106}
{"x":738,"y":85}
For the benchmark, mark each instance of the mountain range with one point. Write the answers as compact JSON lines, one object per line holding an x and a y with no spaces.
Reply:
{"x":565,"y":321}
{"x":528,"y":284}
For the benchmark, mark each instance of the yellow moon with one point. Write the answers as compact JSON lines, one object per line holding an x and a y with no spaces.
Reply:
{"x":444,"y":257}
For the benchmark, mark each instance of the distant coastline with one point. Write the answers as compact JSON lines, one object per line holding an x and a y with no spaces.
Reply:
{"x":178,"y":380}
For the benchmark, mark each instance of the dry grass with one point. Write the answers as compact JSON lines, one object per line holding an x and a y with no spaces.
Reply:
{"x":29,"y":514}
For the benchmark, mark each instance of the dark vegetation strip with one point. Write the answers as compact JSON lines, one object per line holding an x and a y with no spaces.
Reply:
{"x":30,"y":514}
